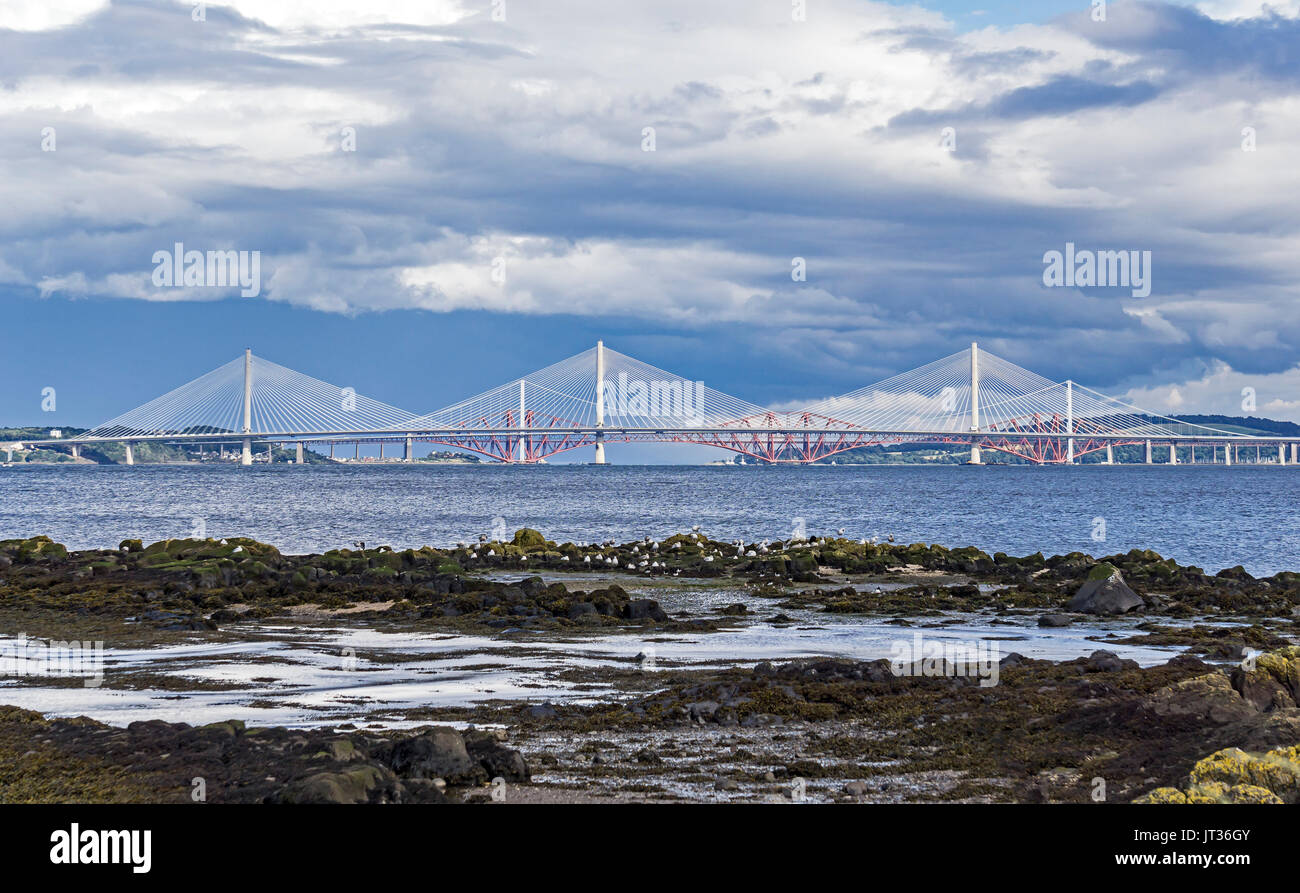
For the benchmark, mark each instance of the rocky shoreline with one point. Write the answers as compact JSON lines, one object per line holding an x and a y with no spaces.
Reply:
{"x":1212,"y":724}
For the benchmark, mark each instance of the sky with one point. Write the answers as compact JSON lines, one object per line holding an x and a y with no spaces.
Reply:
{"x":447,"y":194}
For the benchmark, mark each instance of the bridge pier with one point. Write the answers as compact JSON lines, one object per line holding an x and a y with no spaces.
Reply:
{"x":1295,"y":448}
{"x":76,"y":451}
{"x":1192,"y":452}
{"x":600,"y":401}
{"x":331,"y":449}
{"x":1110,"y":454}
{"x":130,"y":454}
{"x":270,"y":457}
{"x":1227,"y":454}
{"x":1281,"y":454}
{"x":409,"y":457}
{"x":357,"y":453}
{"x":298,"y":458}
{"x":246,"y":457}
{"x":381,"y":449}
{"x":975,"y":402}
{"x":1148,"y":452}
{"x":1173,"y":453}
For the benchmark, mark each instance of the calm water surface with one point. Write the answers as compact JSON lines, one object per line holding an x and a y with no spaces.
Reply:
{"x":1213,"y":517}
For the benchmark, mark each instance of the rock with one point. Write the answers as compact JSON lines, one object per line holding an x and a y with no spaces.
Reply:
{"x":528,"y":539}
{"x":1105,"y":592}
{"x":364,"y":784}
{"x":541,"y":711}
{"x":857,"y":789}
{"x":1107,"y":662}
{"x":577,"y":610}
{"x":702,"y":711}
{"x":496,"y":759}
{"x":726,"y":784}
{"x":1273,"y":682}
{"x":1232,"y":775}
{"x":1209,"y":698}
{"x":1055,"y":620}
{"x":437,"y":753}
{"x":644,"y":609}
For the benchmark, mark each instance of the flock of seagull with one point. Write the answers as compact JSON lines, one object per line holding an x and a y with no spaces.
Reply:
{"x":648,"y":561}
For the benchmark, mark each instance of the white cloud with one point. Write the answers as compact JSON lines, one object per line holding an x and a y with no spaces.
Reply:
{"x":1221,"y":390}
{"x":41,"y":15}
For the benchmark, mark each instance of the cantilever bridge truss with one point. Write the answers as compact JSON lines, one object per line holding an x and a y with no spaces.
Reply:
{"x":971,"y":398}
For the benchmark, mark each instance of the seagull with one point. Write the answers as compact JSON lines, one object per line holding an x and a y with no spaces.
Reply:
{"x":841,"y":531}
{"x":564,"y":557}
{"x":586,"y":559}
{"x":359,"y":544}
{"x":696,"y":528}
{"x":492,"y":553}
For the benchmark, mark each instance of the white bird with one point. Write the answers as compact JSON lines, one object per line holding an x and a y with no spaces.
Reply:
{"x":695,"y":527}
{"x":841,"y":531}
{"x":492,"y":553}
{"x":564,"y":557}
{"x":750,"y":554}
{"x":708,"y":557}
{"x":586,"y":559}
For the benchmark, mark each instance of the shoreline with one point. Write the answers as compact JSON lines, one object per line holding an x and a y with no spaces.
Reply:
{"x":681,"y":669}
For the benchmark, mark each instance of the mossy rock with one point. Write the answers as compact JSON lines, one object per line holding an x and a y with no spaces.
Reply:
{"x":530,"y":540}
{"x":1103,"y":571}
{"x":1276,"y":771}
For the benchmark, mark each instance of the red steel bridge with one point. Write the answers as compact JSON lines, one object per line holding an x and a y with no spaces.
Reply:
{"x":972,"y":398}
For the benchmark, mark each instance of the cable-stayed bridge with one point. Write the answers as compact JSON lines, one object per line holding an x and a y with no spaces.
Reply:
{"x":971,"y":398}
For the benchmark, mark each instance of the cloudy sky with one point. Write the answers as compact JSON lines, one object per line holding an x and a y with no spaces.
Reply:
{"x":388,"y":158}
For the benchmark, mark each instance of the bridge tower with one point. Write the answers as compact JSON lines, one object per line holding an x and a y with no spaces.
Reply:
{"x":975,"y":403}
{"x":247,"y":457}
{"x":600,"y":401}
{"x":1069,"y":421}
{"x":523,"y":447}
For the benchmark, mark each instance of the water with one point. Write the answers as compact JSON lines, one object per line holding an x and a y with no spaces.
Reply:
{"x":1213,"y":517}
{"x":290,"y":675}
